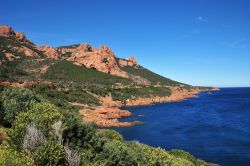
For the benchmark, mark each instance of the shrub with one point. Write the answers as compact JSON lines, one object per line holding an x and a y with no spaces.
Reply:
{"x":10,"y":157}
{"x":16,"y":100}
{"x":116,"y":153}
{"x":50,"y":154}
{"x":76,"y":133}
{"x":109,"y":134}
{"x":43,"y":115}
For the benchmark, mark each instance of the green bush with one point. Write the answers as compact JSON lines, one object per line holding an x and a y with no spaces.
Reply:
{"x":77,"y":133}
{"x":109,"y":134}
{"x":50,"y":154}
{"x":43,"y":115}
{"x":116,"y":153}
{"x":10,"y":157}
{"x":15,"y":100}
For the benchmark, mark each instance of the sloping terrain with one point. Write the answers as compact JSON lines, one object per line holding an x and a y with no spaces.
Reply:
{"x":94,"y":72}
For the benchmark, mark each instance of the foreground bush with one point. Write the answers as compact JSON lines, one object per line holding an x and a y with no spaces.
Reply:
{"x":50,"y":154}
{"x":43,"y":115}
{"x":15,"y":100}
{"x":10,"y":157}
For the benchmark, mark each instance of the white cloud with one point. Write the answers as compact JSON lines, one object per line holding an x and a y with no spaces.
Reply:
{"x":201,"y":19}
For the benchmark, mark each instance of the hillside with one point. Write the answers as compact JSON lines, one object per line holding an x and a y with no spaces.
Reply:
{"x":47,"y":94}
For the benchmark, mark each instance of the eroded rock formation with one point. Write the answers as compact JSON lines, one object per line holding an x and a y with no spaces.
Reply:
{"x":49,"y":52}
{"x":102,"y":59}
{"x":8,"y":31}
{"x":128,"y":62}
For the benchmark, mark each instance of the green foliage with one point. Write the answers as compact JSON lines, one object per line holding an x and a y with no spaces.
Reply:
{"x":9,"y":72}
{"x":130,"y":92}
{"x":15,"y":100}
{"x":10,"y":157}
{"x":50,"y":154}
{"x":116,"y":153}
{"x":43,"y":115}
{"x":76,"y":133}
{"x":109,"y":134}
{"x":185,"y":155}
{"x":105,"y":60}
{"x":60,"y":95}
{"x":157,"y":156}
{"x":65,"y":71}
{"x":149,"y":75}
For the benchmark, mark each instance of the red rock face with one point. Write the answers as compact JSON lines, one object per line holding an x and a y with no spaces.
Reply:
{"x":50,"y":52}
{"x":128,"y":62}
{"x":20,"y":36}
{"x":102,"y":59}
{"x":28,"y":52}
{"x":6,"y":31}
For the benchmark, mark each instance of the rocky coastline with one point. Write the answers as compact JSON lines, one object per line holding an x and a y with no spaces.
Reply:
{"x":110,"y":112}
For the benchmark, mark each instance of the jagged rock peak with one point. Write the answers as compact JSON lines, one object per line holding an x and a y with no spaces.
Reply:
{"x":8,"y":31}
{"x":102,"y":59}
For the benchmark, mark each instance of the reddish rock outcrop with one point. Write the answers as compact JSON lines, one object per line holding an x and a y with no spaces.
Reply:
{"x":49,"y":52}
{"x":6,"y":31}
{"x":28,"y":52}
{"x":107,"y":117}
{"x":20,"y":36}
{"x":10,"y":57}
{"x":102,"y":59}
{"x":128,"y":62}
{"x":25,"y":84}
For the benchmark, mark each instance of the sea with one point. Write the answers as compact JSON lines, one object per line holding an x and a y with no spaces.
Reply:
{"x":214,"y":127}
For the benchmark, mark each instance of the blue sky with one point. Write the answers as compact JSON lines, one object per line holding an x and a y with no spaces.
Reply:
{"x":200,"y":42}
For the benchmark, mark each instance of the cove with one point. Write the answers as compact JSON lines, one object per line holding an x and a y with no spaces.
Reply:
{"x":214,"y":127}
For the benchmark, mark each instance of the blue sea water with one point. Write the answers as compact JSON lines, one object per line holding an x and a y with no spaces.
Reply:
{"x":214,"y":127}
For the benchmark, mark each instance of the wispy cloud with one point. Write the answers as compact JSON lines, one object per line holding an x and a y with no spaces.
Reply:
{"x":239,"y":44}
{"x":201,"y":19}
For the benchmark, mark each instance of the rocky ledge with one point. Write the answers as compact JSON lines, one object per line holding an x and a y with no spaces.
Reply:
{"x":107,"y":117}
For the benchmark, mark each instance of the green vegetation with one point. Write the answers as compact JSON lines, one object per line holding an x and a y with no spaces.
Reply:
{"x":122,"y":94}
{"x":38,"y":126}
{"x":65,"y":71}
{"x":46,"y":135}
{"x":60,"y":95}
{"x":10,"y":157}
{"x":15,"y":100}
{"x":149,"y":75}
